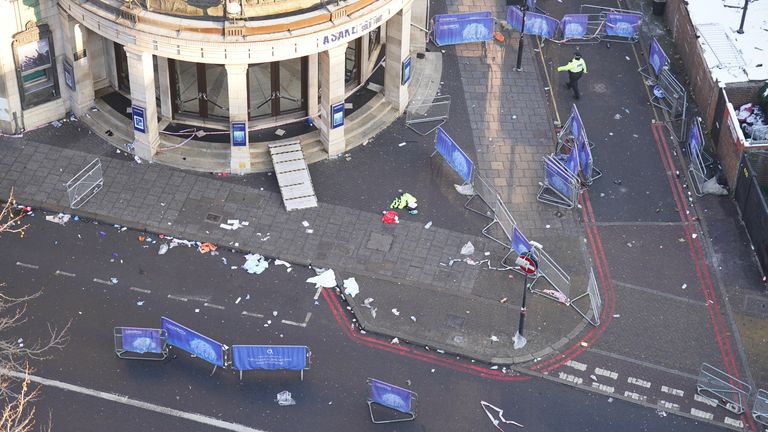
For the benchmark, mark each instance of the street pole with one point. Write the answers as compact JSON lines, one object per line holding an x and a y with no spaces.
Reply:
{"x":743,"y":17}
{"x":519,"y":339}
{"x":520,"y":45}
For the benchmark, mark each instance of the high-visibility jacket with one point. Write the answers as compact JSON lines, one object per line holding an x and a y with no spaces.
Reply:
{"x":574,"y":66}
{"x":403,"y":200}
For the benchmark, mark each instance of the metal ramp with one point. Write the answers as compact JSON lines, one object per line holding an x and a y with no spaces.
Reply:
{"x":292,"y":175}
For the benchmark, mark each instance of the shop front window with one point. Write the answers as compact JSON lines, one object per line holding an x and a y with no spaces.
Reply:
{"x":200,"y":89}
{"x":352,"y":63}
{"x":277,"y":88}
{"x":36,"y":65}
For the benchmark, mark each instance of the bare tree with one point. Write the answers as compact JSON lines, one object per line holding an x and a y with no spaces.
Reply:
{"x":17,"y":396}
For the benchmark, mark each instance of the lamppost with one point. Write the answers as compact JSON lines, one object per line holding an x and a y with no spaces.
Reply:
{"x":743,"y":17}
{"x":523,"y":8}
{"x":529,"y":267}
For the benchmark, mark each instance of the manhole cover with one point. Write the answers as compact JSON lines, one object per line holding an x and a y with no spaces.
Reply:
{"x":212,"y":217}
{"x":454,"y":321}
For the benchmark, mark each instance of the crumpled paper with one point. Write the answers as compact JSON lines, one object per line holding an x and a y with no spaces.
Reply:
{"x":326,"y":279}
{"x":255,"y":263}
{"x":351,"y":288}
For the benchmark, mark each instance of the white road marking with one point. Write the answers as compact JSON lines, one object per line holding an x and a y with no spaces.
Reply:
{"x":140,"y":290}
{"x":638,"y":381}
{"x":643,"y":363}
{"x":571,"y":378}
{"x":635,"y":396}
{"x":63,"y":273}
{"x":733,"y":422}
{"x":171,"y":296}
{"x":672,"y":391}
{"x":21,"y":264}
{"x":317,"y":294}
{"x":252,"y":314}
{"x":702,"y":414}
{"x":606,"y":373}
{"x":576,"y":365}
{"x":709,"y":401}
{"x":213,"y":306}
{"x":602,"y":387}
{"x":669,"y":405}
{"x":125,"y":400}
{"x":304,"y":324}
{"x":102,"y":281}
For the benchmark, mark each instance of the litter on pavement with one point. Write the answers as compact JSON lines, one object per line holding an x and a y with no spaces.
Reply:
{"x":255,"y":263}
{"x":390,"y":217}
{"x":468,"y":249}
{"x":60,"y":218}
{"x":488,"y":408}
{"x":350,"y":287}
{"x":206,"y":247}
{"x":163,"y":249}
{"x":326,"y":279}
{"x":465,"y":189}
{"x":284,"y":398}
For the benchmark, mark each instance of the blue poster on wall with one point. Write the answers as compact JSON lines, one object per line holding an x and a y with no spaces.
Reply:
{"x":193,"y":342}
{"x":406,"y":70}
{"x":270,"y":357}
{"x":694,"y":139}
{"x":574,"y":26}
{"x":69,"y":75}
{"x":515,"y":18}
{"x":239,"y":134}
{"x":390,"y":396}
{"x":456,"y":158}
{"x":621,"y":24}
{"x":657,"y":57}
{"x":541,"y":25}
{"x":139,"y":119}
{"x":520,"y":244}
{"x":452,"y":29}
{"x":337,"y":115}
{"x":558,"y":178}
{"x":141,"y":340}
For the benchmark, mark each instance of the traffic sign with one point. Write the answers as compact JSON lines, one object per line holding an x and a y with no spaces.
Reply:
{"x":528,"y":264}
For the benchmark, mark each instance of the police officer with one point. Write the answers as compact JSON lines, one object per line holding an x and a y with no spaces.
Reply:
{"x":576,"y":68}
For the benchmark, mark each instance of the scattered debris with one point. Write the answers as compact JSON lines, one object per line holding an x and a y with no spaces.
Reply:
{"x":465,"y":189}
{"x":413,"y":318}
{"x":163,"y":249}
{"x":396,"y":341}
{"x":206,"y":247}
{"x":428,"y":225}
{"x":557,"y":295}
{"x":488,"y":408}
{"x":279,"y":132}
{"x":390,"y":217}
{"x":60,"y":218}
{"x":137,"y":159}
{"x":684,"y":286}
{"x":284,"y":398}
{"x":661,"y":413}
{"x":494,"y":338}
{"x":255,"y":263}
{"x":113,"y":280}
{"x":367,"y":302}
{"x":396,"y":312}
{"x":326,"y":279}
{"x":468,"y":249}
{"x":350,"y":287}
{"x":617,"y":116}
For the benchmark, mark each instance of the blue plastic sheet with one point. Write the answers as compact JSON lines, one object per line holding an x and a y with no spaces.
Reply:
{"x":391,"y":396}
{"x":141,"y":340}
{"x":456,"y":158}
{"x":193,"y":342}
{"x":452,"y":29}
{"x":515,"y":18}
{"x":694,"y":140}
{"x":520,"y":244}
{"x":657,"y":57}
{"x":622,"y":25}
{"x":541,"y":25}
{"x":574,"y":26}
{"x":270,"y":357}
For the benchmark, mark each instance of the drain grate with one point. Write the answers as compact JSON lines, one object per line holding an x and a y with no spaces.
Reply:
{"x":213,"y":218}
{"x":454,"y":321}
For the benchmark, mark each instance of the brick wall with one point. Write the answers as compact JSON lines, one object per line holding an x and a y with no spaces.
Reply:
{"x":743,"y":92}
{"x":731,"y":145}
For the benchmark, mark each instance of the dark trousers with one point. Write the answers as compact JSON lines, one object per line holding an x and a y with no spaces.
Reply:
{"x":573,"y":82}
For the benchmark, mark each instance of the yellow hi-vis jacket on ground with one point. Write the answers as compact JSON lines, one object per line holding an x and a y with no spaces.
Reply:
{"x":574,"y":66}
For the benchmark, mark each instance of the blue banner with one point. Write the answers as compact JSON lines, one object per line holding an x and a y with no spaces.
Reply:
{"x":337,"y":115}
{"x":694,"y":139}
{"x":452,"y":29}
{"x":520,"y":244}
{"x":574,"y":26}
{"x":139,"y":119}
{"x":270,"y":357}
{"x":585,"y":160}
{"x":456,"y":158}
{"x":141,"y":340}
{"x":558,"y":178}
{"x":406,"y":71}
{"x":657,"y":57}
{"x":239,"y":134}
{"x":541,"y":25}
{"x":577,"y":126}
{"x":390,"y":396}
{"x":193,"y":342}
{"x":515,"y":18}
{"x":572,"y":161}
{"x":623,"y":25}
{"x":531,"y":4}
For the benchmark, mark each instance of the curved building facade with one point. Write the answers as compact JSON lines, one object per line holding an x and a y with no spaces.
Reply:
{"x":226,"y":65}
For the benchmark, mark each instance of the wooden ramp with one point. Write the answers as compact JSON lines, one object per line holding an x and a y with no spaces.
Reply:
{"x":292,"y":175}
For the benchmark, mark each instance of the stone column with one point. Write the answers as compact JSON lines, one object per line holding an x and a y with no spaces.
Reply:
{"x":10,"y":100}
{"x":237,"y":82}
{"x":141,"y":74}
{"x":331,"y":80}
{"x":75,"y":37}
{"x":398,"y":48}
{"x":419,"y":17}
{"x":166,"y":106}
{"x":312,"y":85}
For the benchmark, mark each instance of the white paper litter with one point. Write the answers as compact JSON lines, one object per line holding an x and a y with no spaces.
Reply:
{"x":396,"y":312}
{"x":282,"y":263}
{"x":60,"y":218}
{"x":428,"y":225}
{"x":494,"y":338}
{"x":465,"y":189}
{"x":284,"y":398}
{"x":305,"y":223}
{"x":468,"y":249}
{"x":326,"y":279}
{"x":163,"y":249}
{"x":255,"y":263}
{"x":350,"y":287}
{"x":279,"y":132}
{"x":395,"y":341}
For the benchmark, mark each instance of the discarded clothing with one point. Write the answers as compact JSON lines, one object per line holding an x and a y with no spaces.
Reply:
{"x":403,"y":201}
{"x":390,"y":217}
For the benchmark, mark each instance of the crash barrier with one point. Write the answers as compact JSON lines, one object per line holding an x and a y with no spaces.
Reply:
{"x":453,"y":29}
{"x":485,"y":192}
{"x":153,"y":344}
{"x":454,"y":155}
{"x":573,"y":137}
{"x":424,"y":117}
{"x":668,"y":94}
{"x":595,"y":302}
{"x":560,"y":187}
{"x":270,"y":357}
{"x":657,"y":61}
{"x":140,"y":343}
{"x":753,"y":208}
{"x":503,"y":218}
{"x":698,"y":159}
{"x":616,"y":25}
{"x":392,"y":397}
{"x":760,"y":407}
{"x":84,"y":185}
{"x":727,"y":391}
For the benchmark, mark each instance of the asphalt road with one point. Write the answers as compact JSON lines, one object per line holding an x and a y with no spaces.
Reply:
{"x":74,"y":265}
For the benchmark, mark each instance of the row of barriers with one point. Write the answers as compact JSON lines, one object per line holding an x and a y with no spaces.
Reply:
{"x":731,"y":393}
{"x":667,"y":93}
{"x":502,"y":228}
